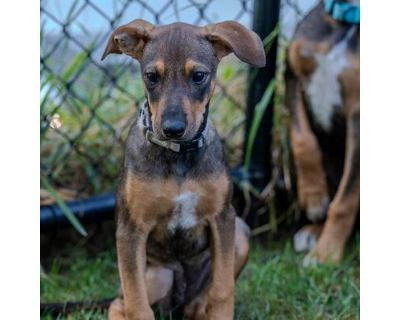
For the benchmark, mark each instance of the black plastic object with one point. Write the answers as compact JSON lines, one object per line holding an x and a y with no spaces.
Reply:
{"x":94,"y":209}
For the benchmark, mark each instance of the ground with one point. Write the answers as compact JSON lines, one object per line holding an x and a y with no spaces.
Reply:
{"x":273,"y":285}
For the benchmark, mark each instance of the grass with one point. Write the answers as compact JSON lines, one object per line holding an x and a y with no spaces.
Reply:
{"x":276,"y":286}
{"x":273,"y":285}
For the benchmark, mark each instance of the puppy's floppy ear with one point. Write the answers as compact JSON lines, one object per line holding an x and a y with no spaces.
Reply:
{"x":230,"y":36}
{"x":130,"y":39}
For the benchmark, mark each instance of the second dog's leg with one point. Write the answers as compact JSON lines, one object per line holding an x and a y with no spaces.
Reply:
{"x":306,"y":238}
{"x":311,"y":180}
{"x":343,"y":209}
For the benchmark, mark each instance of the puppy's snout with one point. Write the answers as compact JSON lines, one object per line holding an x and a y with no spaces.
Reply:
{"x":173,"y":128}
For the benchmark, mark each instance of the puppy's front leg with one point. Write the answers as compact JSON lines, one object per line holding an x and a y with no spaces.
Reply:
{"x":131,"y":250}
{"x":221,"y":293}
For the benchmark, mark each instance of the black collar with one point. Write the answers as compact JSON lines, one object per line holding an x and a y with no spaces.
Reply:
{"x":174,"y":145}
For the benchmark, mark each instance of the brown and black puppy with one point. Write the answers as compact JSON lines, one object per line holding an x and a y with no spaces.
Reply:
{"x":178,"y":239}
{"x":323,"y":94}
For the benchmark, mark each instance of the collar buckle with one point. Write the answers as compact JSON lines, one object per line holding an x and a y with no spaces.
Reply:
{"x":176,"y":146}
{"x":173,"y":146}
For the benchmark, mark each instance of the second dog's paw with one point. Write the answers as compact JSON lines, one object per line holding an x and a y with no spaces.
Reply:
{"x":317,"y":208}
{"x":324,"y":252}
{"x":304,"y":240}
{"x":310,"y":260}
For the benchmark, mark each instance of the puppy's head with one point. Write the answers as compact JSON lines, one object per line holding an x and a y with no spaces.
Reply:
{"x":178,"y":65}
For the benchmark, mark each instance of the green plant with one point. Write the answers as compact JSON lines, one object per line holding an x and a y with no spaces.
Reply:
{"x":65,"y":209}
{"x":259,"y":111}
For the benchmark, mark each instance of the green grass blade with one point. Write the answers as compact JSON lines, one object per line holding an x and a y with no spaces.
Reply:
{"x":67,"y":211}
{"x":268,"y":40}
{"x":259,"y":111}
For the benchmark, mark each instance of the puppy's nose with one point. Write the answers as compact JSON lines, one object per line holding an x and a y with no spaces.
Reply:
{"x":173,"y":128}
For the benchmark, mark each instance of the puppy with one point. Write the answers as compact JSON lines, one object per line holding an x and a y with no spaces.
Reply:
{"x":179,"y":241}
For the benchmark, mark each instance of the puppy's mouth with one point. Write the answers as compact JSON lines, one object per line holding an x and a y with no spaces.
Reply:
{"x":182,"y":138}
{"x":188,"y":135}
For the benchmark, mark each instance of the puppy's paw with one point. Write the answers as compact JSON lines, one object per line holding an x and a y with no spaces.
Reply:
{"x":116,"y":310}
{"x":197,"y":308}
{"x":306,"y":238}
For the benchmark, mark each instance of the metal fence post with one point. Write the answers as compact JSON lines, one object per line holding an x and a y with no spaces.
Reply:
{"x":266,"y":17}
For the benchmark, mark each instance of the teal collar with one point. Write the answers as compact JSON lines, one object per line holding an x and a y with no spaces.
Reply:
{"x":343,"y":11}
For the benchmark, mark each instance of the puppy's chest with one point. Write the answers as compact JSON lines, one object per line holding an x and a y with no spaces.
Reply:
{"x":178,"y":211}
{"x":176,"y":204}
{"x":183,"y":214}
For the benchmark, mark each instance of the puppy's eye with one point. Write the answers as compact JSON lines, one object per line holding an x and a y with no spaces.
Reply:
{"x":198,"y":77}
{"x":151,"y":77}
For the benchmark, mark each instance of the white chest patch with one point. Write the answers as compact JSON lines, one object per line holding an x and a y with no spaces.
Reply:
{"x":324,"y":90}
{"x":184,"y":213}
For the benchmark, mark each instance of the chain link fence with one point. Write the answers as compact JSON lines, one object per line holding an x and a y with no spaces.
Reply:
{"x":87,"y":106}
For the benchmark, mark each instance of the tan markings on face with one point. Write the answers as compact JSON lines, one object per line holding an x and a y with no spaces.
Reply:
{"x":157,"y":108}
{"x":191,"y":65}
{"x":151,"y":199}
{"x":194,"y":111}
{"x":160,"y":67}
